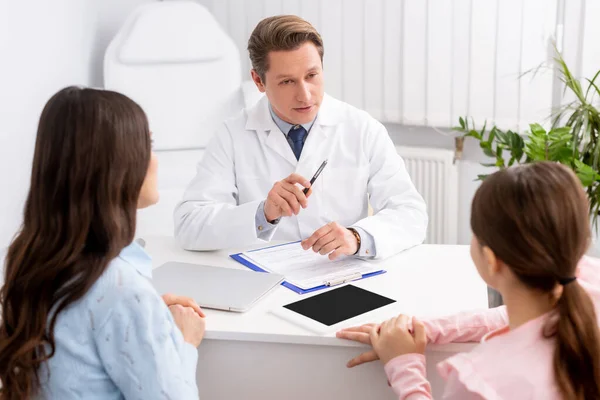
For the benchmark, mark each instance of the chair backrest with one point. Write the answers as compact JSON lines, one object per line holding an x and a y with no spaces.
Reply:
{"x":175,"y":60}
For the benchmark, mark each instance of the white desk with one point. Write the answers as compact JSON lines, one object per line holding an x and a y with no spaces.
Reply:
{"x":257,"y":355}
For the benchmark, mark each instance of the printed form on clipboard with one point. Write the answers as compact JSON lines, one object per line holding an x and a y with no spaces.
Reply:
{"x":304,"y":270}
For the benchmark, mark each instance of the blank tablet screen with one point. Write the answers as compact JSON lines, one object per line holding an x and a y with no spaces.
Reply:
{"x":338,"y":305}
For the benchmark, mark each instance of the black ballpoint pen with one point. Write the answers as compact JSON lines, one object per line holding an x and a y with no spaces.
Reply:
{"x":314,"y":178}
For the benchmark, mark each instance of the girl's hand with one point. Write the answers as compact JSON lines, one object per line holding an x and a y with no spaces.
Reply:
{"x":393,"y":338}
{"x":360,"y":334}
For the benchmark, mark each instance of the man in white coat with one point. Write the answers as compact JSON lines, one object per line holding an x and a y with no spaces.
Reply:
{"x":248,"y":186}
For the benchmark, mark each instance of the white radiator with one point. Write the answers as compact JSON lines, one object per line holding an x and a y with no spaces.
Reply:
{"x":436,"y":178}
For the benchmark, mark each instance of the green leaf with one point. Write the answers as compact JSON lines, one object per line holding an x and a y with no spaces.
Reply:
{"x":592,"y":83}
{"x":568,"y":78}
{"x":535,"y":148}
{"x":483,"y":129}
{"x":537,"y":129}
{"x":488,"y":152}
{"x":596,"y":152}
{"x":482,"y":177}
{"x":563,"y":131}
{"x":492,"y":136}
{"x":563,"y":155}
{"x":574,"y":118}
{"x":585,"y":179}
{"x":517,"y":144}
{"x":474,"y":133}
{"x":586,"y":173}
{"x":503,"y":137}
{"x":461,"y":121}
{"x":487,"y":149}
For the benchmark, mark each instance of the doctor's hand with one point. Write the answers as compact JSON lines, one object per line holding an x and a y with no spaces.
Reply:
{"x":286,"y":198}
{"x":393,"y":338}
{"x":332,"y":239}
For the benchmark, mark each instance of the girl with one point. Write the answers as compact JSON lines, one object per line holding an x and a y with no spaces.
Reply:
{"x":530,"y":227}
{"x":80,"y":318}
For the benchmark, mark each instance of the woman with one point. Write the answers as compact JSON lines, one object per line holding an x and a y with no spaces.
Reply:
{"x":80,"y":318}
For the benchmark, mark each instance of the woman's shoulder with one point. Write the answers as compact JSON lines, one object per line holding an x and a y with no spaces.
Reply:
{"x":121,"y":277}
{"x":120,"y":287}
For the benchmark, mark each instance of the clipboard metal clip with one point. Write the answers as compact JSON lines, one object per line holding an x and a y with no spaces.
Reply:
{"x":343,"y":279}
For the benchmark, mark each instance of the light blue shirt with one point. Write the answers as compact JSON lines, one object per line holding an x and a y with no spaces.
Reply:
{"x":265,"y":230}
{"x":285,"y":127}
{"x":120,"y":341}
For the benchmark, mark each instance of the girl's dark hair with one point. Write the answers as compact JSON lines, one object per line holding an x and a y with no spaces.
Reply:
{"x":91,"y":157}
{"x":535,"y":219}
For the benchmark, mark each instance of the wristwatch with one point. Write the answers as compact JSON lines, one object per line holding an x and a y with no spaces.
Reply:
{"x":357,"y":236}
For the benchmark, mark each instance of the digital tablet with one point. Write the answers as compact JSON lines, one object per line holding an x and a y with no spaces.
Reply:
{"x":329,"y":311}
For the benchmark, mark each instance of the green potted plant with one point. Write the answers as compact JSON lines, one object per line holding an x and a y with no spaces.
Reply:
{"x":572,"y":140}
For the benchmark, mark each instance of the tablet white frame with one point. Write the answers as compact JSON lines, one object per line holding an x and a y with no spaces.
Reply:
{"x":375,"y":316}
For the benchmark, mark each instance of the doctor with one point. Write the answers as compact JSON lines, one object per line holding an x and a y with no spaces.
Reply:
{"x":248,"y":186}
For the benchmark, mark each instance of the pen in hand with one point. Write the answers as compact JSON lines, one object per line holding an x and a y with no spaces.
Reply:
{"x":314,"y":178}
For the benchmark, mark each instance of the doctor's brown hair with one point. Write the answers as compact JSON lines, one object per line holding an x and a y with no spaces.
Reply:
{"x":280,"y":33}
{"x":535,"y":219}
{"x":91,"y":157}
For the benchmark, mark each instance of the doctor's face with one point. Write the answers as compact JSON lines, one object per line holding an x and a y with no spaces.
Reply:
{"x":294,"y":83}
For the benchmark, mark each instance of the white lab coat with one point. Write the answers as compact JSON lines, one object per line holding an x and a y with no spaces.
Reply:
{"x":250,"y":153}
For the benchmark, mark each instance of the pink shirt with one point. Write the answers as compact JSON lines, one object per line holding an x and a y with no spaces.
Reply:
{"x":507,"y":364}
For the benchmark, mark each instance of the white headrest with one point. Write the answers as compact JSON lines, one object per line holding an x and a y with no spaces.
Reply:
{"x":174,"y":32}
{"x":175,"y":60}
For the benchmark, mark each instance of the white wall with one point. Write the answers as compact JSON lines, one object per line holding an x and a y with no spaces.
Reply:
{"x":44,"y":46}
{"x":3,"y":135}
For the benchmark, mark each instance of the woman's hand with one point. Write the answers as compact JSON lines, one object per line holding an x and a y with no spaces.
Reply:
{"x":171,"y":300}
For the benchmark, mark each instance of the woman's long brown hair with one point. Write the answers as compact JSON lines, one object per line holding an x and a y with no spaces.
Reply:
{"x":535,"y":219}
{"x":91,"y":157}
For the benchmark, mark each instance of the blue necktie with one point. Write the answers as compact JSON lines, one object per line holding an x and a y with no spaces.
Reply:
{"x":297,"y":136}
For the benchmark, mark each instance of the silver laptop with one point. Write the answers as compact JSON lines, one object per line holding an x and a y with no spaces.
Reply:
{"x":215,"y":287}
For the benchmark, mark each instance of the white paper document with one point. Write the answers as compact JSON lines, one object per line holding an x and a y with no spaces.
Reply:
{"x":307,"y":269}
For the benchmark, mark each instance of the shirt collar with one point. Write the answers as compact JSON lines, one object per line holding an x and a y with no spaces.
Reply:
{"x":136,"y":256}
{"x":286,"y":126}
{"x":525,"y":334}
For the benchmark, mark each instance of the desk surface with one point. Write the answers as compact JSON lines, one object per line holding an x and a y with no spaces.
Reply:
{"x":426,"y":281}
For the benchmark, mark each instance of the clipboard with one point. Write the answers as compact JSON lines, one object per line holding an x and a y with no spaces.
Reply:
{"x":239,"y":257}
